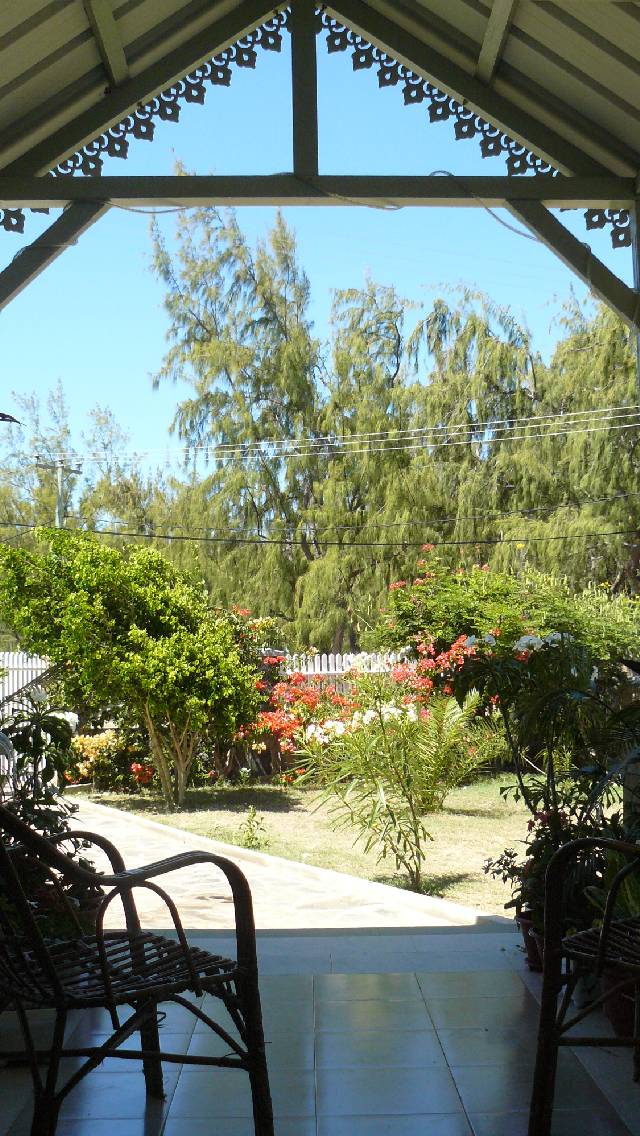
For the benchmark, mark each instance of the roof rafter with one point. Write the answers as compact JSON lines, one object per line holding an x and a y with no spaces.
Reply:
{"x":29,"y":262}
{"x":495,"y":37}
{"x":625,"y":301}
{"x":116,"y":104}
{"x":425,"y":60}
{"x":107,"y":37}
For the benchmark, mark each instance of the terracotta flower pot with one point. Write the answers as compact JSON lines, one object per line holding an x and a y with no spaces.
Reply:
{"x":534,"y":958}
{"x":619,"y":1007}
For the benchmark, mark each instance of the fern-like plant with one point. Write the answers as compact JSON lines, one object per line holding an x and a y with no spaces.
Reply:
{"x":386,"y":776}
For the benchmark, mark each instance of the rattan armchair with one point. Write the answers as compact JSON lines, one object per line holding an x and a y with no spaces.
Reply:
{"x":128,"y":972}
{"x":612,"y":948}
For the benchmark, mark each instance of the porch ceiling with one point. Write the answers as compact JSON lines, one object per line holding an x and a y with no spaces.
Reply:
{"x":71,"y":68}
{"x":552,"y":86}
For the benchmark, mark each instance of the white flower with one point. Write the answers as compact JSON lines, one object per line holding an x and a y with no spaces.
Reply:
{"x":528,"y":643}
{"x":334,"y":727}
{"x":316,"y":734}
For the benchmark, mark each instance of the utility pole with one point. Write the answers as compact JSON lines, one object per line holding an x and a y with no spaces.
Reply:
{"x":59,"y":468}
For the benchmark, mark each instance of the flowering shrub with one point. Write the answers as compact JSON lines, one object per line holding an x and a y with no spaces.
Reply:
{"x":142,"y":773}
{"x":305,"y":715}
{"x":442,"y":603}
{"x":111,"y":760}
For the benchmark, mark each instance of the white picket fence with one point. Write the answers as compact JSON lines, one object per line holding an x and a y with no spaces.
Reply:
{"x":335,"y":666}
{"x":17,"y":669}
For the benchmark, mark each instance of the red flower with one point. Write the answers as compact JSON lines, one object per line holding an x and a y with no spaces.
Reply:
{"x":397,"y":584}
{"x":142,"y":773}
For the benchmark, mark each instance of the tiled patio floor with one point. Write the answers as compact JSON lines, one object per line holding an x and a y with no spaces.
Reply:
{"x":386,"y":1031}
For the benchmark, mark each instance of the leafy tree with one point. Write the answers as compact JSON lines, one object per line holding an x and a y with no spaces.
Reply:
{"x":135,"y":635}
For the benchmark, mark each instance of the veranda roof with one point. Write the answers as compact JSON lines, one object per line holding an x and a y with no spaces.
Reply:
{"x":553,"y":87}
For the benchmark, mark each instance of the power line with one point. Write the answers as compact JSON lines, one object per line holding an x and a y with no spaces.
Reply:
{"x":433,"y":522}
{"x":404,"y":544}
{"x":335,"y":450}
{"x":483,"y":426}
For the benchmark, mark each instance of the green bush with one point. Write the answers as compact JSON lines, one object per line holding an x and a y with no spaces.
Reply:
{"x":442,"y":603}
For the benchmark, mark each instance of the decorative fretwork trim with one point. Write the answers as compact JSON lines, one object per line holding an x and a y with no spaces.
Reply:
{"x":441,"y":106}
{"x":467,"y":124}
{"x":114,"y":143}
{"x":12,"y":220}
{"x":620,"y":221}
{"x":218,"y":71}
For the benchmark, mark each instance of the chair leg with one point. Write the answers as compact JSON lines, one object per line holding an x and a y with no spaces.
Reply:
{"x":636,"y":1032}
{"x":544,"y":1077}
{"x":47,"y":1103}
{"x":45,"y":1116}
{"x":152,"y":1065}
{"x":247,"y":987}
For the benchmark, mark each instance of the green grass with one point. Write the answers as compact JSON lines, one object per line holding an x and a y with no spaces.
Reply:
{"x":474,"y":824}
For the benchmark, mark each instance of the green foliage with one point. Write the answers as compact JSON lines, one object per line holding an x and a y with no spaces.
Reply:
{"x":132,"y":633}
{"x":584,"y":806}
{"x":253,"y":833}
{"x":385,"y":776}
{"x":40,"y":736}
{"x":572,"y":736}
{"x":442,"y":603}
{"x":409,"y":424}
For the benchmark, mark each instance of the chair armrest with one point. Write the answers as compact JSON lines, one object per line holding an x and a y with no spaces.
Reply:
{"x":113,"y":854}
{"x":243,"y":906}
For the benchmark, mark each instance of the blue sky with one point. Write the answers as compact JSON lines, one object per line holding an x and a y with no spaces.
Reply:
{"x":94,"y":319}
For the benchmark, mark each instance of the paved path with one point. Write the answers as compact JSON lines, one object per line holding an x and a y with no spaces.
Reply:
{"x":286,"y":895}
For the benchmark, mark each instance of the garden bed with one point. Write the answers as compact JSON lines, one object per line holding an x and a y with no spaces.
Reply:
{"x":475,"y":823}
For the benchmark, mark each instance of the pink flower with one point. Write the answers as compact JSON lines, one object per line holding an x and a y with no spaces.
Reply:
{"x":397,"y":584}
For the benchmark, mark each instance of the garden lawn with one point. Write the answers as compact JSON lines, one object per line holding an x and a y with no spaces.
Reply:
{"x":475,"y":823}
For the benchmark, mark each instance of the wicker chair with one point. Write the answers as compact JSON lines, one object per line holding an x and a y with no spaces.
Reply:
{"x":613,"y":947}
{"x":134,"y":969}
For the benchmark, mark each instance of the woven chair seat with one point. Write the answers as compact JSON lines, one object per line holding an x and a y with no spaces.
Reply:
{"x":622,"y":945}
{"x":140,"y":966}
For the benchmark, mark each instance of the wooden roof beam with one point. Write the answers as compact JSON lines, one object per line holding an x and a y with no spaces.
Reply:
{"x":107,"y":37}
{"x":495,"y":37}
{"x":29,"y":262}
{"x":608,"y":287}
{"x":194,"y":190}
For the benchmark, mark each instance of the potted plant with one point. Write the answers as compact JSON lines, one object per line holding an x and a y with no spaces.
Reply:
{"x":570,"y":739}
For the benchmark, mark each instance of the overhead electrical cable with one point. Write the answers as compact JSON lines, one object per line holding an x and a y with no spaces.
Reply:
{"x":298,"y":543}
{"x":483,"y":430}
{"x":433,"y":522}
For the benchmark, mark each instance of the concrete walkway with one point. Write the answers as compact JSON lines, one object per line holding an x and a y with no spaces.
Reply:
{"x":286,"y":894}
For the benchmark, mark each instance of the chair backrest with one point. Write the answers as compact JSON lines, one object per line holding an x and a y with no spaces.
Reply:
{"x":30,"y":863}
